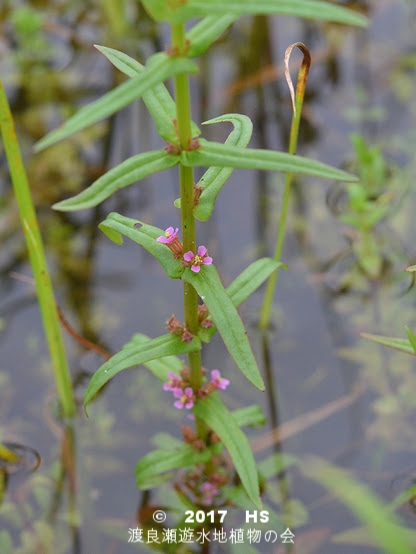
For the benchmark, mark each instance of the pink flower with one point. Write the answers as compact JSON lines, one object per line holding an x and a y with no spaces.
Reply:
{"x":169,"y":236}
{"x":186,"y":398}
{"x":208,"y":490}
{"x":218,"y":381}
{"x":201,"y":258}
{"x":173,"y":383}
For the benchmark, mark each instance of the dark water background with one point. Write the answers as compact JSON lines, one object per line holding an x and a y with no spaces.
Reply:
{"x":362,"y":81}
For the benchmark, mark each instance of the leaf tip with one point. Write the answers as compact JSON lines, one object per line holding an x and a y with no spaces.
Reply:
{"x":112,"y":234}
{"x":60,"y":206}
{"x":39,"y":145}
{"x":258,"y":382}
{"x":100,"y":48}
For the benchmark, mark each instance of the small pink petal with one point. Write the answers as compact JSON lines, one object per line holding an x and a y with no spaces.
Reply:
{"x":202,"y":251}
{"x":215,"y":374}
{"x":218,"y":381}
{"x":207,"y":260}
{"x":188,"y":256}
{"x":196,"y":268}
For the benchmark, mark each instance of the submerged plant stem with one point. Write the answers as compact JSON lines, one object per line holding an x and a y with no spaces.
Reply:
{"x":297,"y":103}
{"x":37,"y":258}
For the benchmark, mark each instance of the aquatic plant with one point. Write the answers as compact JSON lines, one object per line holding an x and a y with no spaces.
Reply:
{"x":27,"y":213}
{"x":297,"y":103}
{"x":377,"y":196}
{"x":201,"y":455}
{"x":363,"y":207}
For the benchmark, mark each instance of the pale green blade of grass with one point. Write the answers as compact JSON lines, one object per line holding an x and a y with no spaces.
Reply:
{"x":37,"y":258}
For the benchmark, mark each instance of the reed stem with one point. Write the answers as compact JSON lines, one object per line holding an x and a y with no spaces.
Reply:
{"x":37,"y":258}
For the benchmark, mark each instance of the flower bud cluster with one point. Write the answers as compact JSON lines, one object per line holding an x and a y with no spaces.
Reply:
{"x":174,"y":326}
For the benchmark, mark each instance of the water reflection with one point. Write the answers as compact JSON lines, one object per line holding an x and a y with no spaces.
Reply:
{"x":15,"y":458}
{"x":18,"y":457}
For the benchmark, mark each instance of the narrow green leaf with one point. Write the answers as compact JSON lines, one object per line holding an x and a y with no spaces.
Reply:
{"x":398,"y":344}
{"x":309,"y":9}
{"x":162,"y":366}
{"x":133,"y":354}
{"x":275,"y":464}
{"x":208,"y":285}
{"x":412,"y":339}
{"x":223,"y":155}
{"x":206,"y":31}
{"x":159,"y":10}
{"x":359,"y":537}
{"x":126,"y":173}
{"x":116,"y":225}
{"x":251,"y":278}
{"x":243,"y":128}
{"x":37,"y":257}
{"x":215,"y":177}
{"x":382,"y":525}
{"x":244,"y":285}
{"x":250,"y":416}
{"x":159,"y":68}
{"x":215,"y":414}
{"x":150,"y":469}
{"x":408,"y":495}
{"x":126,"y":64}
{"x":165,"y":441}
{"x":158,"y":100}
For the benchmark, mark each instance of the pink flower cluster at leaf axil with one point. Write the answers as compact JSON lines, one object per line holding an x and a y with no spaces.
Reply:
{"x":170,"y":238}
{"x":198,"y":259}
{"x":218,"y":381}
{"x":208,"y":491}
{"x":185,"y":395}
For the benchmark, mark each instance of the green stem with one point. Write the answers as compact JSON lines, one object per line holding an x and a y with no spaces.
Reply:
{"x":37,"y":258}
{"x":186,"y":177}
{"x":297,"y":103}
